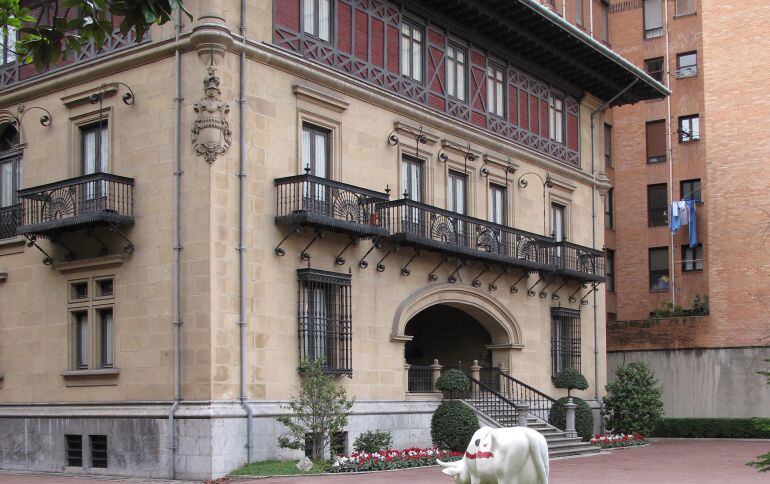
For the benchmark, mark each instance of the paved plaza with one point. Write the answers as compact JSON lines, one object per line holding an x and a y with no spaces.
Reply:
{"x":698,"y":461}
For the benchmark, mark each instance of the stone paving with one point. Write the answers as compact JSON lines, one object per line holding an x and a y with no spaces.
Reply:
{"x":701,"y":461}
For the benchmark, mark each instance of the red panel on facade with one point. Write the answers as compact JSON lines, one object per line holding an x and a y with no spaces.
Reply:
{"x":524,"y":106}
{"x":392,"y":42}
{"x":343,"y":27}
{"x":287,"y":13}
{"x":534,"y":115}
{"x":478,"y":59}
{"x":436,"y":102}
{"x":478,"y":84}
{"x":512,"y":112}
{"x":479,"y":119}
{"x":436,"y":37}
{"x":362,"y":35}
{"x":544,"y":119}
{"x":378,"y":42}
{"x":572,"y":132}
{"x":435,"y":61}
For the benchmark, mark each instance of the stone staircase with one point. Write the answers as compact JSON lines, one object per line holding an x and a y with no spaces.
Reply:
{"x":559,"y":445}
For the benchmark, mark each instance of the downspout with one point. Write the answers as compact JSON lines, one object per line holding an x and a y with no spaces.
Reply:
{"x":601,"y":108}
{"x":177,"y":246}
{"x":670,"y":150}
{"x":241,"y":248}
{"x":591,"y":20}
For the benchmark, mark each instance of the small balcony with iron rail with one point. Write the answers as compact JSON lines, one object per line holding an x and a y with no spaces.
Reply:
{"x":579,"y":262}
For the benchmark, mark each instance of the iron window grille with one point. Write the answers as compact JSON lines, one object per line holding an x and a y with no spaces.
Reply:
{"x":657,"y":204}
{"x":689,"y":128}
{"x":565,"y":339}
{"x":325,"y":326}
{"x":692,"y":258}
{"x":98,"y":451}
{"x":74,"y":450}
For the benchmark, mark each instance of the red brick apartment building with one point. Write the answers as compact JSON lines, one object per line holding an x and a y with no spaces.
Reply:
{"x":697,"y":315}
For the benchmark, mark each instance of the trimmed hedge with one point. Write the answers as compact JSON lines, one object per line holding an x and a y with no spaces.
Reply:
{"x":453,"y":381}
{"x":715,"y":428}
{"x":452,"y":426}
{"x":584,"y":417}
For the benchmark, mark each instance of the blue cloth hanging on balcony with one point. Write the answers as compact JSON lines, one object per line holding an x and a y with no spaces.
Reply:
{"x":677,"y":215}
{"x":693,"y":229}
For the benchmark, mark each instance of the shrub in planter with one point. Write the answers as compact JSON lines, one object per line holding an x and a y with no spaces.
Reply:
{"x":453,"y":425}
{"x":634,"y":402}
{"x":453,"y":382}
{"x":571,"y":379}
{"x":584,"y":417}
{"x":372,"y":441}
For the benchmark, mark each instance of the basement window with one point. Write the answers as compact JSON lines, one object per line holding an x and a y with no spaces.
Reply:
{"x":74,"y":450}
{"x":98,"y":451}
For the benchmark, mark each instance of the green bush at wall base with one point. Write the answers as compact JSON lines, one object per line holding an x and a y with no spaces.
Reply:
{"x":714,"y":428}
{"x":584,"y":417}
{"x":453,"y":425}
{"x":372,"y":441}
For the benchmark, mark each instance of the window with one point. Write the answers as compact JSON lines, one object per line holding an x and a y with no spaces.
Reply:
{"x":8,"y":46}
{"x":325,"y":319}
{"x":692,"y":258}
{"x":687,"y":64}
{"x":610,"y":270}
{"x":653,"y":18}
{"x":315,"y":150}
{"x":685,"y":7}
{"x":91,"y":305}
{"x":612,"y":317}
{"x":318,"y":19}
{"x":95,"y":148}
{"x":689,"y":128}
{"x":556,"y":119}
{"x":455,"y":72}
{"x":608,"y":207}
{"x":10,"y":166}
{"x":411,"y":51}
{"x":579,"y":20}
{"x":495,"y":90}
{"x":656,"y":141}
{"x":654,"y":67}
{"x":497,"y":204}
{"x":74,"y":450}
{"x":558,"y":224}
{"x":607,"y":145}
{"x":565,"y":339}
{"x":411,"y":182}
{"x":690,"y":190}
{"x":658,"y":258}
{"x":657,"y":201}
{"x":456,"y":192}
{"x":98,"y":451}
{"x":604,"y":26}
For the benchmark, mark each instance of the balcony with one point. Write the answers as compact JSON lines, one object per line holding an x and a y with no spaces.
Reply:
{"x":426,"y":227}
{"x":307,"y":200}
{"x":77,"y":203}
{"x":578,"y":262}
{"x":9,"y":220}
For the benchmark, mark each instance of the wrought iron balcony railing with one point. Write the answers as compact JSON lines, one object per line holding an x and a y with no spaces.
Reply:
{"x":9,"y":220}
{"x":82,"y":202}
{"x":328,"y":204}
{"x":579,"y":262}
{"x":424,"y":226}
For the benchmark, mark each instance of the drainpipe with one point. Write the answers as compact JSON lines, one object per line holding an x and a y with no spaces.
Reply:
{"x":601,"y":108}
{"x":177,"y":246}
{"x":241,"y":247}
{"x":670,"y":150}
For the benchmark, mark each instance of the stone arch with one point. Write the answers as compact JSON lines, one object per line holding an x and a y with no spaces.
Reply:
{"x":487,"y":310}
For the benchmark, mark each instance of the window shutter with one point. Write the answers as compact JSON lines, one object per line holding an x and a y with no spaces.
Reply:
{"x":656,"y":140}
{"x":653,"y":14}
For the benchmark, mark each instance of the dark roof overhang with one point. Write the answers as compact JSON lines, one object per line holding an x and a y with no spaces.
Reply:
{"x":544,"y":40}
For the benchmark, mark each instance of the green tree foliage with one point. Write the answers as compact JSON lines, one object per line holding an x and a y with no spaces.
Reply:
{"x":320,"y":409}
{"x":453,"y":425}
{"x":584,"y":417}
{"x":634,"y":402}
{"x":763,"y":461}
{"x":452,"y":381}
{"x":73,"y":24}
{"x":372,"y":441}
{"x":571,"y":379}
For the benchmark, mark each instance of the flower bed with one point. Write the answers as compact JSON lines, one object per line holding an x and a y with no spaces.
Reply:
{"x":391,"y":459}
{"x":621,"y":440}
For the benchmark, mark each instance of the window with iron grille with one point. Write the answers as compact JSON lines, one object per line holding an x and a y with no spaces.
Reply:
{"x":74,"y":450}
{"x":565,"y":339}
{"x":325,"y":332}
{"x":98,"y":451}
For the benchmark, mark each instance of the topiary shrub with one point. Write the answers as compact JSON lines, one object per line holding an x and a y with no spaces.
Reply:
{"x":453,"y":425}
{"x":453,"y":382}
{"x":372,"y":441}
{"x":571,"y":379}
{"x":584,"y":417}
{"x":634,"y":402}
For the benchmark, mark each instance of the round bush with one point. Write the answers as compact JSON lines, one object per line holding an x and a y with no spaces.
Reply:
{"x":453,"y":381}
{"x":584,"y":417}
{"x":373,"y":440}
{"x":571,"y":379}
{"x":453,"y":425}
